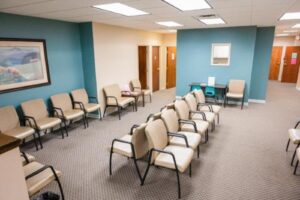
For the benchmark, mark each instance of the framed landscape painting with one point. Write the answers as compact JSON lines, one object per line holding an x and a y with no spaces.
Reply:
{"x":23,"y":64}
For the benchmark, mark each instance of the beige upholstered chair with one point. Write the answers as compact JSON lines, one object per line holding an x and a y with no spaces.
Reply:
{"x":197,"y":114}
{"x":298,"y":158}
{"x":63,"y":106}
{"x":133,"y":145}
{"x":164,"y":155}
{"x":236,"y":90}
{"x":113,"y":98}
{"x":172,"y":124}
{"x":294,"y":137}
{"x":136,"y":86}
{"x":81,"y":100}
{"x":203,"y":106}
{"x":26,"y":158}
{"x":38,"y":176}
{"x":191,"y":125}
{"x":10,"y":125}
{"x":35,"y":111}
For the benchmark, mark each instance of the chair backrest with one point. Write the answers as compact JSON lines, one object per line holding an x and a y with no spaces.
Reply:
{"x":139,"y":141}
{"x":113,"y":90}
{"x":62,"y":101}
{"x":182,"y":109}
{"x":80,"y":95}
{"x":170,"y":119}
{"x":135,"y":84}
{"x":35,"y":108}
{"x":200,"y":97}
{"x":156,"y":133}
{"x":236,"y":86}
{"x":191,"y":102}
{"x":9,"y":118}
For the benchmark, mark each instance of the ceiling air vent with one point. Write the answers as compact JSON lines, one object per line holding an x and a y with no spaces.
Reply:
{"x":207,"y":16}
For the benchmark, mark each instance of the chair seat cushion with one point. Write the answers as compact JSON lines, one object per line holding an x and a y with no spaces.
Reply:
{"x":136,"y":93}
{"x":47,"y":122}
{"x":39,"y":181}
{"x":216,"y":108}
{"x":123,"y":148}
{"x":294,"y":135}
{"x":146,"y":92}
{"x":210,"y":117}
{"x":202,"y":126}
{"x":192,"y":138}
{"x":72,"y":114}
{"x":125,"y":100}
{"x":31,"y":158}
{"x":183,"y":157}
{"x":298,"y":153}
{"x":234,"y":95}
{"x":20,"y":132}
{"x":91,"y":107}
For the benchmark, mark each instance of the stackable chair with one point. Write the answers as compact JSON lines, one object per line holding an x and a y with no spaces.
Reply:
{"x":200,"y":125}
{"x":134,"y":146}
{"x":62,"y":104}
{"x":172,"y":124}
{"x":26,"y":158}
{"x":35,"y":112}
{"x":236,"y":90}
{"x":81,"y":100}
{"x":294,"y":137}
{"x":38,"y":176}
{"x":136,"y":85}
{"x":198,"y":114}
{"x":298,"y":158}
{"x":113,"y":98}
{"x":164,"y":155}
{"x":203,"y":106}
{"x":10,"y":125}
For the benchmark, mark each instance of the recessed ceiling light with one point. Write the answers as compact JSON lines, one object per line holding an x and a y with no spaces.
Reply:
{"x":282,"y":35}
{"x":172,"y":31}
{"x":290,"y":15}
{"x":290,"y":31}
{"x":169,"y":24}
{"x":212,"y":21}
{"x":186,"y":5}
{"x":121,"y":9}
{"x":296,"y":26}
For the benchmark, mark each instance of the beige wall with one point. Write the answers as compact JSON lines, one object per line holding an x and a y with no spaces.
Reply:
{"x":116,"y":54}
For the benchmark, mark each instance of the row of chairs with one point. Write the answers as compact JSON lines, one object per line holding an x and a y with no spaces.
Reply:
{"x":36,"y":118}
{"x":170,"y":137}
{"x":294,"y":137}
{"x":38,"y":176}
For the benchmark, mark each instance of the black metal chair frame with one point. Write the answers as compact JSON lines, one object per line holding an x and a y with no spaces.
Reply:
{"x":116,"y":106}
{"x":242,"y":99}
{"x":288,"y":143}
{"x":210,"y":109}
{"x":213,"y":127}
{"x":55,"y":175}
{"x":150,"y":95}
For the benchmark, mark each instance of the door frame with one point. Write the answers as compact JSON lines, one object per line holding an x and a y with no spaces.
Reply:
{"x":152,"y":63}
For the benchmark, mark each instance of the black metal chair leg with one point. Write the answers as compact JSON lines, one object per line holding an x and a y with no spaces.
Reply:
{"x":198,"y":151}
{"x":83,"y":121}
{"x":242,"y":103}
{"x":295,"y":170}
{"x":58,"y":182}
{"x":86,"y":121}
{"x":146,"y":172}
{"x":110,"y":162}
{"x":66,"y":128}
{"x":119,"y":112}
{"x":190,"y":170}
{"x":178,"y":184}
{"x":218,"y":115}
{"x":104,"y":111}
{"x":150,"y":98}
{"x":35,"y":142}
{"x":294,"y":154}
{"x":40,"y":140}
{"x":100,"y":115}
{"x":287,"y":145}
{"x":137,"y":169}
{"x":61,"y":131}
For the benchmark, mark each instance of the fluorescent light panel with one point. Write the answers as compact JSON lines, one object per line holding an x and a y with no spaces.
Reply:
{"x":212,"y":21}
{"x":290,"y":31}
{"x":186,"y":5}
{"x":169,"y":24}
{"x":290,"y":15}
{"x":296,"y":26}
{"x":282,"y":35}
{"x":120,"y":9}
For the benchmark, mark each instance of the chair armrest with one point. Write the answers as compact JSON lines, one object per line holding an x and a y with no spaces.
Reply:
{"x":199,"y":112}
{"x":23,"y":154}
{"x":149,"y":117}
{"x":205,"y":104}
{"x":81,"y":105}
{"x":112,"y":97}
{"x":122,"y":141}
{"x":29,"y":119}
{"x":183,"y":121}
{"x":132,"y":128}
{"x":56,"y":109}
{"x":162,"y":151}
{"x":41,"y":170}
{"x":95,"y":98}
{"x":297,"y":124}
{"x":179,"y":136}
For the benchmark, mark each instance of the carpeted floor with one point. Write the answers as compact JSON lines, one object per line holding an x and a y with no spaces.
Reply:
{"x":244,"y":159}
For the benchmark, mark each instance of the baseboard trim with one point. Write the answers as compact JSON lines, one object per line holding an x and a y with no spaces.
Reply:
{"x":257,"y":101}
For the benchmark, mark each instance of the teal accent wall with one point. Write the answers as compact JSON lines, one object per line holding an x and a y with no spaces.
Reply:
{"x":88,"y":58}
{"x":194,"y":56}
{"x":261,"y":62}
{"x":64,"y":54}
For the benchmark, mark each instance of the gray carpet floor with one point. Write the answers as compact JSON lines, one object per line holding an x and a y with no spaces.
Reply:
{"x":244,"y":159}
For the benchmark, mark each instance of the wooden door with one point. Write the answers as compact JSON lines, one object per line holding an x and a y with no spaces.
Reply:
{"x":171,"y":67}
{"x":155,"y":68}
{"x":275,"y":63}
{"x":143,"y":66}
{"x":291,"y":65}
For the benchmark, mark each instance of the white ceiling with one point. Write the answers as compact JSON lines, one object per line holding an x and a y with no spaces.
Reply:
{"x":234,"y":12}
